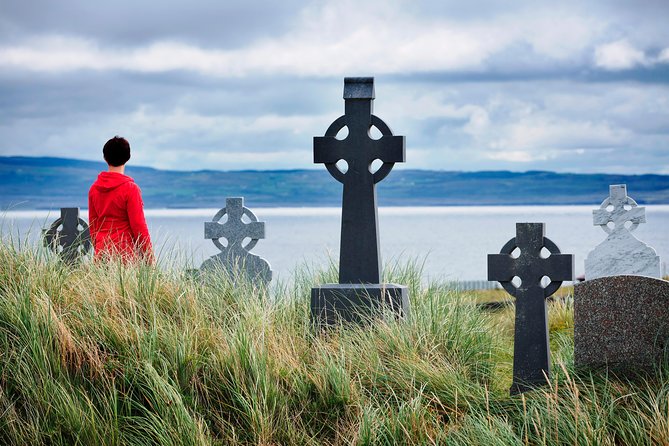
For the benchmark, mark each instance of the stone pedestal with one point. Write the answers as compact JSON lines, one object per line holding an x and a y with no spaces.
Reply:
{"x":239,"y":267}
{"x":622,"y":254}
{"x":332,"y":304}
{"x":621,"y":322}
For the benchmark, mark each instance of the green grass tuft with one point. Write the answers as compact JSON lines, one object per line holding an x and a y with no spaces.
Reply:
{"x":107,"y":354}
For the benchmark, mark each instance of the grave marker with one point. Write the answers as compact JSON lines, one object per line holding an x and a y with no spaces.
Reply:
{"x":531,"y":350}
{"x":236,"y":258}
{"x":621,"y":252}
{"x":359,"y":294}
{"x":621,"y":322}
{"x":68,"y":236}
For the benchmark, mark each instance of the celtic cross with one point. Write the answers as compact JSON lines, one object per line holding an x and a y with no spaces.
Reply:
{"x":68,"y":236}
{"x":359,"y":257}
{"x":531,"y":351}
{"x":235,"y":230}
{"x":621,"y":253}
{"x":619,"y":215}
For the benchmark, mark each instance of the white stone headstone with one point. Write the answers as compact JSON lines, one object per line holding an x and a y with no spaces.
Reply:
{"x":621,"y":252}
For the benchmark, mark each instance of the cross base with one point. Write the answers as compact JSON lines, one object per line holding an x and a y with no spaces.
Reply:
{"x":238,"y":267}
{"x":521,"y":387}
{"x":334,"y":303}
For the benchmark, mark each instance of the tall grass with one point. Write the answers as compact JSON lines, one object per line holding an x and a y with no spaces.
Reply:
{"x":114,"y":354}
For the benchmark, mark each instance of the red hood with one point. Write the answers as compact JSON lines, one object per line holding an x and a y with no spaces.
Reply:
{"x":110,"y":180}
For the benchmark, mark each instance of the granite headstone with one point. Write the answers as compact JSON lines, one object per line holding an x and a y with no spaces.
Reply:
{"x":359,"y":296}
{"x":621,"y":252}
{"x":621,"y":322}
{"x":235,"y":258}
{"x":68,"y":236}
{"x":531,"y":349}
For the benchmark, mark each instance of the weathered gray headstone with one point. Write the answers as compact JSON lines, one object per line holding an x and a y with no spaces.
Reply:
{"x":621,"y":321}
{"x":68,"y":236}
{"x":621,"y":252}
{"x":235,"y":258}
{"x":359,"y":295}
{"x":531,"y":350}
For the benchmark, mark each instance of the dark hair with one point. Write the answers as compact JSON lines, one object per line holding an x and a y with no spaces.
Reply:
{"x":116,"y":151}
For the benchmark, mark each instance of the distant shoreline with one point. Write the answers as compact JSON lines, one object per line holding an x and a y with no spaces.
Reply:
{"x":331,"y":210}
{"x":48,"y":183}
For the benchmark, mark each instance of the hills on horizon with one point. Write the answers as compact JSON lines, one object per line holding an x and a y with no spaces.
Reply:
{"x":49,"y":183}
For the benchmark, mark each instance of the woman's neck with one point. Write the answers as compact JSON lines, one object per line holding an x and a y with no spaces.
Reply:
{"x":117,"y":169}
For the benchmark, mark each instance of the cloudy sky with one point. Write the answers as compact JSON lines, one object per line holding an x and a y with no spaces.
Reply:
{"x":569,"y":86}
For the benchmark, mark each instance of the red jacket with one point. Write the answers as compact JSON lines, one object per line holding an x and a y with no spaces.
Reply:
{"x":116,"y":218}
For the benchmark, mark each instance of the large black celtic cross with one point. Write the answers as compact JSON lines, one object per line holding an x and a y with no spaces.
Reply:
{"x":359,"y":258}
{"x":531,"y":350}
{"x":68,"y":236}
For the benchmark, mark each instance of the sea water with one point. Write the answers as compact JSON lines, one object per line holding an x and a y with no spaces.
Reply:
{"x":451,"y":243}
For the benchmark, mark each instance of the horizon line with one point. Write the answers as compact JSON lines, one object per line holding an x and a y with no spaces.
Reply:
{"x":317,"y":168}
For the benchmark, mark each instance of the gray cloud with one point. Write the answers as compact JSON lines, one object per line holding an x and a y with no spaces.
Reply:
{"x":209,"y":23}
{"x":231,"y":85}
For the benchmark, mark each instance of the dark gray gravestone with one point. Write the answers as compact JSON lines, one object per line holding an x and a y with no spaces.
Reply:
{"x":359,"y":294}
{"x":621,"y":322}
{"x":68,"y":236}
{"x":531,"y":350}
{"x":235,"y":258}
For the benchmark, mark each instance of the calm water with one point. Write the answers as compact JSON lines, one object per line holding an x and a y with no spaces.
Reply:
{"x":453,"y":241}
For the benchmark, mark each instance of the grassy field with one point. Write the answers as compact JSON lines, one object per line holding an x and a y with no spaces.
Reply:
{"x":104,"y":354}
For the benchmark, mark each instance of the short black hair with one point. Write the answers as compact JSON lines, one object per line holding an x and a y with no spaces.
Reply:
{"x":116,"y":151}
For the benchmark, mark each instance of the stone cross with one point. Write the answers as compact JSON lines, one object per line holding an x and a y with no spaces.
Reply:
{"x":235,"y":257}
{"x":68,"y":236}
{"x":618,"y":199}
{"x":359,"y":297}
{"x":531,"y":350}
{"x":621,"y":252}
{"x":359,"y":257}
